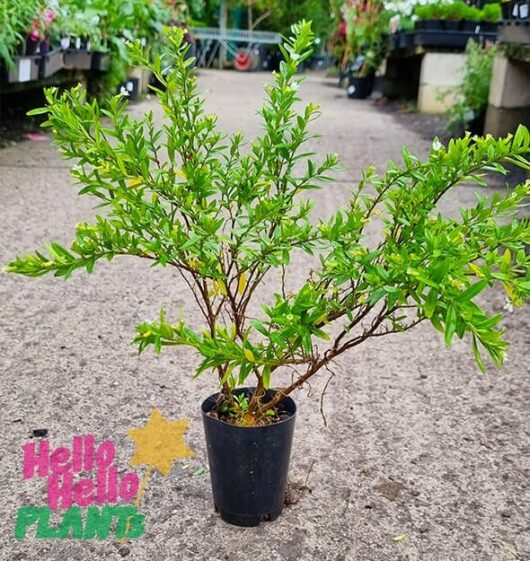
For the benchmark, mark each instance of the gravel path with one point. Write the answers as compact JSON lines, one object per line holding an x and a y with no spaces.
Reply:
{"x":417,"y":445}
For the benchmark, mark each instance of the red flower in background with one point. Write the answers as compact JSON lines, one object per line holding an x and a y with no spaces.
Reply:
{"x":34,"y":33}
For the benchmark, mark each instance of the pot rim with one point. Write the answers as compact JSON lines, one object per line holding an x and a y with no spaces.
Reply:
{"x":212,"y":397}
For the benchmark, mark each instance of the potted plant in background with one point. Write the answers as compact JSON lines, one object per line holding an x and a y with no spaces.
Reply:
{"x":453,"y":13}
{"x":227,"y":221}
{"x":490,"y":16}
{"x":471,"y":19}
{"x":367,"y":28}
{"x":429,"y":16}
{"x":80,"y":31}
{"x":19,"y":61}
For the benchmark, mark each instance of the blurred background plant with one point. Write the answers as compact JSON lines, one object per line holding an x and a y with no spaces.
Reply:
{"x":17,"y":17}
{"x":471,"y":96}
{"x":367,"y":27}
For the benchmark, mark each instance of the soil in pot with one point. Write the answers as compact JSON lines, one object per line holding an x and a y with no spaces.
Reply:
{"x":249,"y":465}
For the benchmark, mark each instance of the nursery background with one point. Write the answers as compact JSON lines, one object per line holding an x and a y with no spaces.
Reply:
{"x":412,"y":447}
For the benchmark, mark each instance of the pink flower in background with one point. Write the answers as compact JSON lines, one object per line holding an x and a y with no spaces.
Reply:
{"x":34,"y":33}
{"x":48,"y":17}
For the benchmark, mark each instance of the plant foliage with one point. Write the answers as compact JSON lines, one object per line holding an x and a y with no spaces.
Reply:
{"x":16,"y":17}
{"x":471,"y":95}
{"x":224,"y":217}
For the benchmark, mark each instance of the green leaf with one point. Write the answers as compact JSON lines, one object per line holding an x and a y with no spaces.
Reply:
{"x":450,"y":325}
{"x":430,"y":303}
{"x":472,"y":291}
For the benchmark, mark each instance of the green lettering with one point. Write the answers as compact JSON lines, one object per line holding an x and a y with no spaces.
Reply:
{"x":26,"y":516}
{"x":136,"y":526}
{"x":71,"y":522}
{"x":98,"y":522}
{"x":44,"y":531}
{"x":123,"y":513}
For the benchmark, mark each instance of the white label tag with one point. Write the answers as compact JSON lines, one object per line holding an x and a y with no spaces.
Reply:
{"x":24,"y":70}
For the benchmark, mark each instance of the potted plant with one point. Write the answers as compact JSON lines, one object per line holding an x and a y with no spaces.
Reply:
{"x":16,"y":64}
{"x":490,"y":17}
{"x":471,"y":19}
{"x":227,"y":219}
{"x":367,"y":28}
{"x":52,"y":54}
{"x":429,"y":17}
{"x":452,"y":14}
{"x":80,"y":34}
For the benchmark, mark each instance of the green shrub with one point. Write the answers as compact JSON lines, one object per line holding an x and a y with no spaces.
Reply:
{"x":224,"y":217}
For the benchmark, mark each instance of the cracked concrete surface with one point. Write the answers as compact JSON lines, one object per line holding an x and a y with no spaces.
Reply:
{"x":418,"y":444}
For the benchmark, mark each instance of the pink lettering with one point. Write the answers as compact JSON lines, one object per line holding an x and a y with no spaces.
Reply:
{"x":82,"y":492}
{"x":129,"y":486}
{"x":105,"y":455}
{"x":60,"y":490}
{"x":59,"y":460}
{"x":77,"y":454}
{"x":32,"y":461}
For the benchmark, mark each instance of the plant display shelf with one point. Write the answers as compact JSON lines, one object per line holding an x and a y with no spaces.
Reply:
{"x":57,"y":79}
{"x":416,"y":42}
{"x":51,"y":63}
{"x":26,"y":69}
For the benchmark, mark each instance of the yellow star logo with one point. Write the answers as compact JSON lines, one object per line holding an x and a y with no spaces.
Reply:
{"x":160,"y":443}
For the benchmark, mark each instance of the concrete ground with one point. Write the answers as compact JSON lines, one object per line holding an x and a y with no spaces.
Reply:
{"x":422,"y":458}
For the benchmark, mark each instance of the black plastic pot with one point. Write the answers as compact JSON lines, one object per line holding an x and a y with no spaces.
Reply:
{"x":488,"y":27}
{"x":31,"y":46}
{"x":436,"y":24}
{"x":470,"y":26}
{"x":406,"y":40}
{"x":507,"y":9}
{"x":132,"y":87}
{"x":452,"y":24}
{"x":449,"y":39}
{"x":248,"y":465}
{"x":393,"y":41}
{"x":44,"y":47}
{"x":360,"y":87}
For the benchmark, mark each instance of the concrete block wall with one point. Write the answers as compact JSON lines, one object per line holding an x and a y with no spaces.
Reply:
{"x":509,"y":99}
{"x":440,"y":72}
